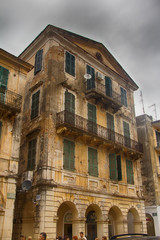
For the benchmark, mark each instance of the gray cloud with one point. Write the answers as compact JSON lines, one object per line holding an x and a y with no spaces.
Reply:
{"x":129,"y":29}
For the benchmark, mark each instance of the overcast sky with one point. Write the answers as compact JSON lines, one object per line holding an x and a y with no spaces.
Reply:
{"x":130,"y":30}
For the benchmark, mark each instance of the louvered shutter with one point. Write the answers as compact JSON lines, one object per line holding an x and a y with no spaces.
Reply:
{"x":92,"y":162}
{"x":126,"y":130}
{"x":110,"y":127}
{"x":91,"y":81}
{"x":123,"y":97}
{"x":35,"y":105}
{"x":31,"y":154}
{"x":69,"y":108}
{"x":69,"y":155}
{"x":119,"y":169}
{"x":129,"y":169}
{"x":113,"y":166}
{"x":92,"y":118}
{"x":70,"y":64}
{"x":38,"y":61}
{"x":108,"y":86}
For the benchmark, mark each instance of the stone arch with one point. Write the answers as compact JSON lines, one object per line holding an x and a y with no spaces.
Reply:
{"x":28,"y":219}
{"x":133,"y":219}
{"x":115,"y":221}
{"x":150,"y":225}
{"x":66,"y":222}
{"x":94,"y":221}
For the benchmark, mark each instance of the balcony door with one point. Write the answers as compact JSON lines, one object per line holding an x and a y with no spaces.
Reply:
{"x":3,"y":83}
{"x":69,"y":108}
{"x":127,"y":141}
{"x":91,"y":81}
{"x":110,"y":127}
{"x":92,"y":118}
{"x":108,"y":86}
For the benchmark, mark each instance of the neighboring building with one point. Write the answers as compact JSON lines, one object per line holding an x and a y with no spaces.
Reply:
{"x":79,"y":144}
{"x":13,"y":73}
{"x":149,"y":135}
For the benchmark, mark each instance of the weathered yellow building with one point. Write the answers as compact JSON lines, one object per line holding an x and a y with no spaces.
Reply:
{"x":79,"y":159}
{"x":13,"y":73}
{"x":149,"y":135}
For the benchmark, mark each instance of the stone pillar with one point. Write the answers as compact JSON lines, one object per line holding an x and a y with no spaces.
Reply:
{"x":78,"y":225}
{"x":102,"y":228}
{"x":125,"y":226}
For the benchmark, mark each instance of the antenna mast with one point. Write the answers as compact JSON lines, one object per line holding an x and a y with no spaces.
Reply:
{"x":142,"y":101}
{"x":154,"y":105}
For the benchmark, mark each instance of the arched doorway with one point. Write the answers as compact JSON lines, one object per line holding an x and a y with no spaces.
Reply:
{"x":28,"y":219}
{"x":150,"y":225}
{"x":94,"y":222}
{"x":134,"y":224}
{"x":66,"y":214}
{"x":115,"y":223}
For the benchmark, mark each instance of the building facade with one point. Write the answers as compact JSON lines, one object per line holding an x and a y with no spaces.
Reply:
{"x":79,"y":166}
{"x":149,"y":135}
{"x":13,"y":73}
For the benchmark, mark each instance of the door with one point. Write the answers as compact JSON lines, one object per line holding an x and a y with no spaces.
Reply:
{"x":91,"y":226}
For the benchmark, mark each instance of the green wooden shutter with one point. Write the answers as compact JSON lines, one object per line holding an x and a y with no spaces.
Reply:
{"x":69,"y":108}
{"x":126,"y":130}
{"x":92,"y":118}
{"x":113,"y":166}
{"x":35,"y":104}
{"x":129,"y":169}
{"x":92,"y":162}
{"x":123,"y":97}
{"x":69,"y":155}
{"x":70,"y":64}
{"x":91,"y":81}
{"x":38,"y":61}
{"x":0,"y":129}
{"x":108,"y":86}
{"x":119,"y":169}
{"x":32,"y":154}
{"x":3,"y":82}
{"x":110,"y":127}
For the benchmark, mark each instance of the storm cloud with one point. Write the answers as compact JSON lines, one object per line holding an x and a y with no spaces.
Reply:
{"x":130,"y":30}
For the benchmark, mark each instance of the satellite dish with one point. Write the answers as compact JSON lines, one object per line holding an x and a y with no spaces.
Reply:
{"x":26,"y":185}
{"x":87,"y":76}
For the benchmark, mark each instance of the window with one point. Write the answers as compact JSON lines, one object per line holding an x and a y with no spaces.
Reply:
{"x":124,"y":97}
{"x":69,"y":155}
{"x":158,"y":138}
{"x":129,"y":169}
{"x":115,"y":167}
{"x":92,"y":118}
{"x":91,"y":81}
{"x":0,"y":129}
{"x":3,"y":82}
{"x":38,"y":61}
{"x":92,"y":162}
{"x":69,"y":108}
{"x":127,"y":140}
{"x":110,"y":126}
{"x":35,"y":104}
{"x":32,"y":154}
{"x":108,"y":85}
{"x":70,"y":64}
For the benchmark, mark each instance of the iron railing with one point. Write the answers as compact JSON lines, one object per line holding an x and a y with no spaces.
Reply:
{"x":92,"y":128}
{"x":10,"y":99}
{"x":101,"y":89}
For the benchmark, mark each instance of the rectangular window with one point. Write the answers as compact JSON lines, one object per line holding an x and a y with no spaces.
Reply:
{"x":38,"y":61}
{"x":110,"y":127}
{"x":158,"y":138}
{"x":124,"y":97}
{"x":108,"y":85}
{"x":129,"y":169}
{"x":70,"y":64}
{"x":69,"y":155}
{"x":92,"y":162}
{"x":69,"y":108}
{"x":31,"y":154}
{"x":35,"y":104}
{"x":126,"y":130}
{"x":0,"y":129}
{"x":91,"y":81}
{"x":115,"y":167}
{"x":3,"y":82}
{"x":92,"y":118}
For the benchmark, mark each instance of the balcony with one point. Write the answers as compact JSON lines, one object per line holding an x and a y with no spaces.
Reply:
{"x":10,"y":103}
{"x":72,"y":125}
{"x":97,"y":91}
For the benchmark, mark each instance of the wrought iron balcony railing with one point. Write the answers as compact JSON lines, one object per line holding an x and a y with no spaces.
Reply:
{"x":98,"y":90}
{"x":10,"y":100}
{"x":80,"y":123}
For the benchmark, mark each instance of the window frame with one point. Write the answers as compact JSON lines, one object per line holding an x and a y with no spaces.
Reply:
{"x":124,"y":100}
{"x":118,"y":170}
{"x":70,"y":65}
{"x":37,"y":61}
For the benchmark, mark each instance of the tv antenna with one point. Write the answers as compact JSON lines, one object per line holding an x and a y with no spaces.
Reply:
{"x":141,"y":95}
{"x":154,"y":105}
